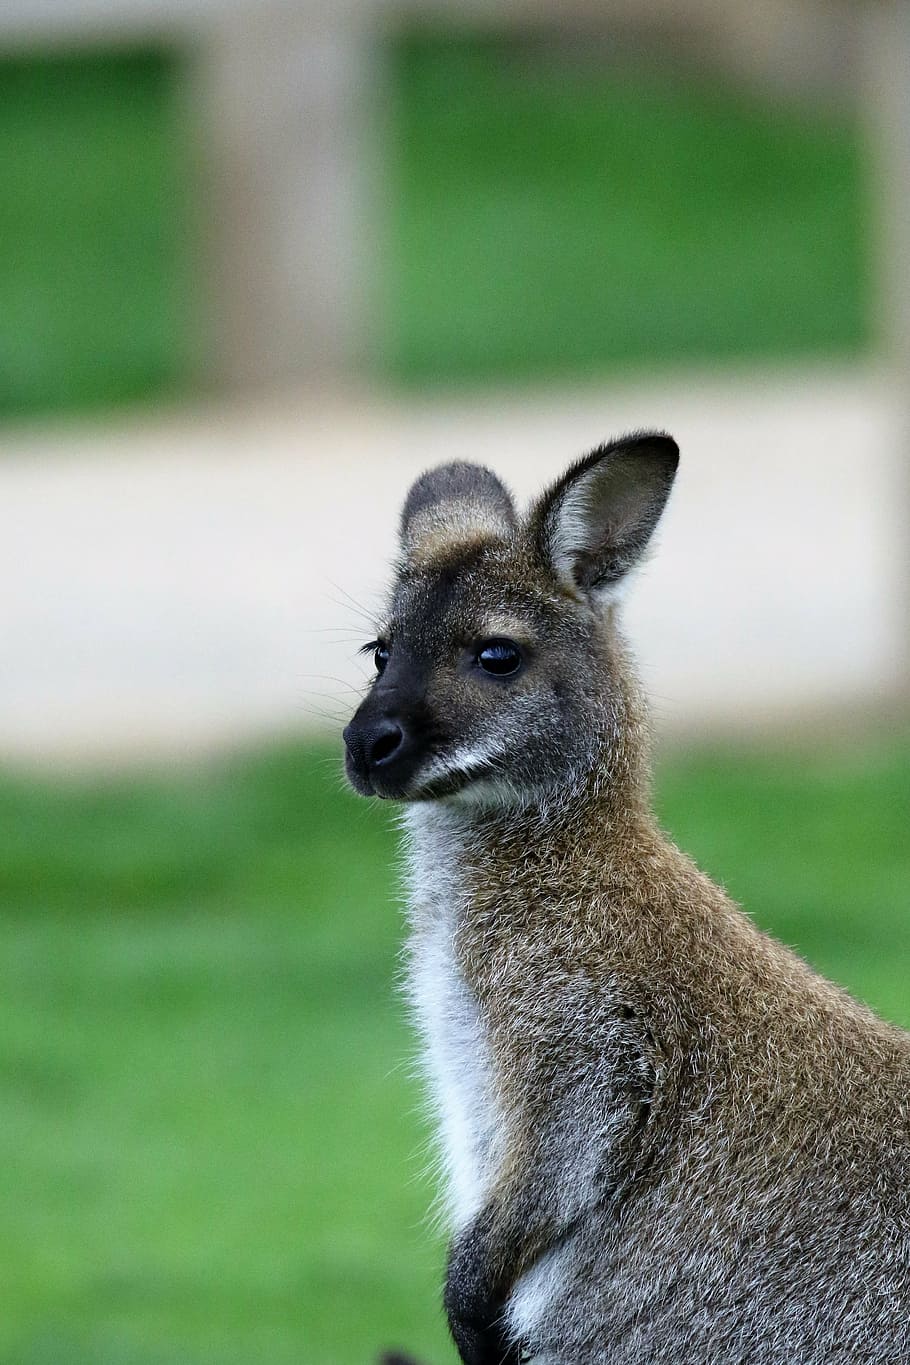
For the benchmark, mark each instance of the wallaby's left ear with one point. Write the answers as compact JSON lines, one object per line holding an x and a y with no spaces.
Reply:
{"x":594,"y":523}
{"x":457,"y":504}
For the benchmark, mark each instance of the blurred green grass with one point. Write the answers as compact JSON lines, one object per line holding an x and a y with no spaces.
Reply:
{"x":548,"y":215}
{"x":558,"y":212}
{"x":94,"y":273}
{"x":211,"y":1146}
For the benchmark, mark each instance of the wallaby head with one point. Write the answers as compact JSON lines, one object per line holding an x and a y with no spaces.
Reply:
{"x":498,"y":673}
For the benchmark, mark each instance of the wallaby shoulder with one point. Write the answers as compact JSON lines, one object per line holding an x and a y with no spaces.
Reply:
{"x":614,"y":906}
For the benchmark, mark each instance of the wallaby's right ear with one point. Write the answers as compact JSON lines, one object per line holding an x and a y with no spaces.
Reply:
{"x":595,"y":522}
{"x":453,"y":507}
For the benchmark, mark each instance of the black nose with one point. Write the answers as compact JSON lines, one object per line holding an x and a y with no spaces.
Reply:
{"x":383,"y":742}
{"x":374,"y":743}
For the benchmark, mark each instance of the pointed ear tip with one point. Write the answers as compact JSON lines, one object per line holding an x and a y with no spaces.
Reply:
{"x":662,"y":443}
{"x":643,"y":442}
{"x":661,"y":450}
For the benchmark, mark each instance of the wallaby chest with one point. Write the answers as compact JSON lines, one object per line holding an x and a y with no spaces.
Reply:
{"x":457,"y":1054}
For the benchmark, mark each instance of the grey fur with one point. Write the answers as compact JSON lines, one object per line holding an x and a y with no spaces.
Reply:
{"x":668,"y":1139}
{"x":455,"y":481}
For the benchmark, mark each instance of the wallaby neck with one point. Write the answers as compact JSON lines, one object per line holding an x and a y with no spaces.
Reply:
{"x":597,"y":817}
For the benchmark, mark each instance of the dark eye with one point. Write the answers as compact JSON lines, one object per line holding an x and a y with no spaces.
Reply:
{"x":499,"y":657}
{"x":380,"y":657}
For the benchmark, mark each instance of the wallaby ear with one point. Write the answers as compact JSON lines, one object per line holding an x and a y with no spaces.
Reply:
{"x":593,"y":525}
{"x":454,"y":507}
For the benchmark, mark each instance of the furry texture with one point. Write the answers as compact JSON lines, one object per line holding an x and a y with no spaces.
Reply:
{"x":666,"y":1137}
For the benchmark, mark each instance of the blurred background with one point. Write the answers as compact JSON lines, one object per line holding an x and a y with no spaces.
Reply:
{"x":261,"y":264}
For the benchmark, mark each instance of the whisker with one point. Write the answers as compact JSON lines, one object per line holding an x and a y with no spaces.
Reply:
{"x":328,"y":677}
{"x":331,"y":630}
{"x":333,"y":717}
{"x":351,"y":603}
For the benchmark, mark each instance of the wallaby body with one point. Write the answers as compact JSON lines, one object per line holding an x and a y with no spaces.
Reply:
{"x":667,"y":1139}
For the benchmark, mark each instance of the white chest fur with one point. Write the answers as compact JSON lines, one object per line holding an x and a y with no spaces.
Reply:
{"x":457,"y":1054}
{"x":455,"y":1047}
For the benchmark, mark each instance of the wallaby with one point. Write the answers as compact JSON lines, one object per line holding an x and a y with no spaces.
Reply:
{"x":667,"y":1139}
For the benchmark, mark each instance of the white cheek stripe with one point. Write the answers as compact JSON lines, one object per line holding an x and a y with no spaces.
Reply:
{"x":460,"y":764}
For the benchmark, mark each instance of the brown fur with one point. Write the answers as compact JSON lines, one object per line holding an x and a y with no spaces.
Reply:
{"x":688,"y":1146}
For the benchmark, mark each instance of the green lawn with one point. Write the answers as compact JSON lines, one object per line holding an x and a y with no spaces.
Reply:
{"x":211,"y":1140}
{"x":94,"y":273}
{"x":549,"y":213}
{"x":556,"y":212}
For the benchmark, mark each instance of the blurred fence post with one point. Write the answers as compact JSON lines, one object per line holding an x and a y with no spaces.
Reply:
{"x":285,"y":112}
{"x":885,"y":97}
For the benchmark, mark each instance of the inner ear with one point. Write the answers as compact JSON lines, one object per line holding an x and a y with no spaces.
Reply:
{"x":594,"y":524}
